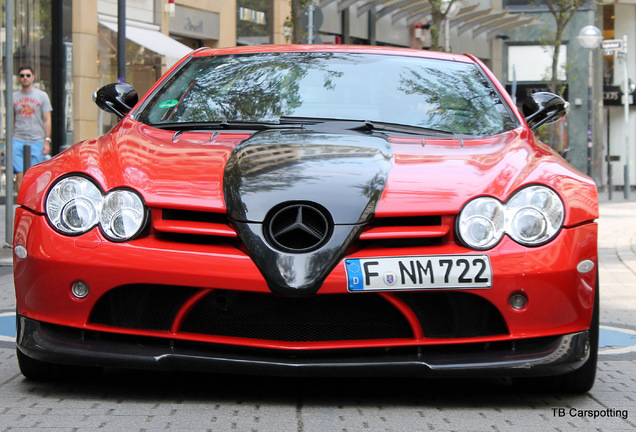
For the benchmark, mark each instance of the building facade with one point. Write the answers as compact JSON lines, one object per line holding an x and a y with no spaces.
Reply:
{"x":504,"y":34}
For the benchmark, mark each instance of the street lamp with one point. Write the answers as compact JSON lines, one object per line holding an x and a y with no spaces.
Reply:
{"x":590,"y":37}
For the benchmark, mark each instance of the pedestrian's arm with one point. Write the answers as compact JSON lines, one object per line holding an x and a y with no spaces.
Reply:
{"x":46,"y":148}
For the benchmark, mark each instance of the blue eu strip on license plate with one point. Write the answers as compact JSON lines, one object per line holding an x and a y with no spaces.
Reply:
{"x":419,"y":272}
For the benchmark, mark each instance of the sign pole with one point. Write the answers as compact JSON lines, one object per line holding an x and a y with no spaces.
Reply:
{"x":628,"y":184}
{"x":8,"y":145}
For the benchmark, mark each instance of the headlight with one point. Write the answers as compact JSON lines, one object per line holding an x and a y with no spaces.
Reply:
{"x":481,"y":223}
{"x":122,"y":215}
{"x":534,"y":215}
{"x":75,"y":205}
{"x":531,"y":217}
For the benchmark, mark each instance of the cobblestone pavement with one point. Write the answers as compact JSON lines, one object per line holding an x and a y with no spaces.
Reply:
{"x":126,"y":400}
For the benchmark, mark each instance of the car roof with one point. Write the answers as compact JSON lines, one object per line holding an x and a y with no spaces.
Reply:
{"x":353,"y":49}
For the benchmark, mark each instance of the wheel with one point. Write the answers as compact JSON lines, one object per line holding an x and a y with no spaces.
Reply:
{"x":575,"y":382}
{"x":38,"y":370}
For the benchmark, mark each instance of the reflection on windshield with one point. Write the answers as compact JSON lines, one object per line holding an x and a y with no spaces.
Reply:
{"x":436,"y":94}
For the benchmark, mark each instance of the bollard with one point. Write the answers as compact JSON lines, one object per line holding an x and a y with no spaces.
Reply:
{"x":26,"y":158}
{"x":610,"y":184}
{"x":627,"y":185}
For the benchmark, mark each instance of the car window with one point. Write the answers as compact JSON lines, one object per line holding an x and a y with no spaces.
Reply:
{"x":442,"y":95}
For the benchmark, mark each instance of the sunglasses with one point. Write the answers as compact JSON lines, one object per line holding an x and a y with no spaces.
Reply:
{"x":25,"y":75}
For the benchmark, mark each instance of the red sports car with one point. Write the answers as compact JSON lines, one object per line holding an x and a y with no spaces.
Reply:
{"x":313,"y":210}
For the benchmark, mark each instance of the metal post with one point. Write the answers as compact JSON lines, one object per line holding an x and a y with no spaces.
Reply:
{"x":8,"y":148}
{"x":26,"y":158}
{"x":590,"y":85}
{"x":447,"y":33}
{"x":121,"y":40}
{"x":310,"y":23}
{"x":628,"y":185}
{"x":610,"y":185}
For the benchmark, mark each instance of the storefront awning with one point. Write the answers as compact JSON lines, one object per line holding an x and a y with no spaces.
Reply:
{"x":469,"y":18}
{"x":153,"y":40}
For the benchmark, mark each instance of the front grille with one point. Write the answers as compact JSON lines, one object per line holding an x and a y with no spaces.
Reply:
{"x":407,"y":231}
{"x":320,"y":318}
{"x":143,"y":307}
{"x":195,"y":227}
{"x":455,"y":314}
{"x":209,"y":228}
{"x":264,"y":316}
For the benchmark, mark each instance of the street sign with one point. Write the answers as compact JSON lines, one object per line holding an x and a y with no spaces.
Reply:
{"x":612,"y":45}
{"x":317,"y":17}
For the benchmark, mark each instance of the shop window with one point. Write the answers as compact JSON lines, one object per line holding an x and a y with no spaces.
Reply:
{"x":533,"y":63}
{"x":254,"y":22}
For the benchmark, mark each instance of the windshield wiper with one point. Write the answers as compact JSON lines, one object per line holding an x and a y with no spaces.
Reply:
{"x":329,"y":124}
{"x":224,"y":125}
{"x":308,"y":124}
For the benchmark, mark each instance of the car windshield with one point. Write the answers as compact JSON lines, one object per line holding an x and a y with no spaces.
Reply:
{"x":274,"y":88}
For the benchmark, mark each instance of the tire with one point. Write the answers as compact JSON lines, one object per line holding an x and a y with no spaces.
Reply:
{"x":578,"y":381}
{"x":37,"y":370}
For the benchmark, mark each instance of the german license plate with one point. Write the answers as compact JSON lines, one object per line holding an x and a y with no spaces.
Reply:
{"x":418,"y":272}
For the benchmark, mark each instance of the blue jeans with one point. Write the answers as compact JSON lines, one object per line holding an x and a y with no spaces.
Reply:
{"x":18,"y":154}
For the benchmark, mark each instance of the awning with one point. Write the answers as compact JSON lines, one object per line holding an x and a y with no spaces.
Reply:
{"x":153,"y":40}
{"x":489,"y":21}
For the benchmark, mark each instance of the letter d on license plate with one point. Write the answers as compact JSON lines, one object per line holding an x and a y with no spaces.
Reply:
{"x":419,"y":272}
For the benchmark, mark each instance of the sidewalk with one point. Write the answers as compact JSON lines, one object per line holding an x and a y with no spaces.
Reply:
{"x":618,"y":221}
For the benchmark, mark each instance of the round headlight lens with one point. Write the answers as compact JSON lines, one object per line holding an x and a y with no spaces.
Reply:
{"x":481,"y":223}
{"x":73,"y":205}
{"x":534,"y":215}
{"x":122,"y":215}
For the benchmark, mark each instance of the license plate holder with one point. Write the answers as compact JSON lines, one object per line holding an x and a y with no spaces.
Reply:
{"x":418,"y":273}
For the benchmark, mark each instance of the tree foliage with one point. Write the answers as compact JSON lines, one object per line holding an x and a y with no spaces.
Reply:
{"x":439,"y":12}
{"x":293,"y":22}
{"x":563,"y":11}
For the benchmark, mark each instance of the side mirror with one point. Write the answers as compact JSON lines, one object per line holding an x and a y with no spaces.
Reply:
{"x":116,"y":98}
{"x":544,"y":108}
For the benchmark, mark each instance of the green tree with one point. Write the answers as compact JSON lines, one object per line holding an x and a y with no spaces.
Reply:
{"x":439,"y":12}
{"x":563,"y":11}
{"x":293,"y":21}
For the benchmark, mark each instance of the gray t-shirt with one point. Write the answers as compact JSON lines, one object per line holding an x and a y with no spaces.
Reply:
{"x":28,"y":109}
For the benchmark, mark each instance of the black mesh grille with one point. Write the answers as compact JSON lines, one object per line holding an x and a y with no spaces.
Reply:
{"x":319,"y":318}
{"x":144,"y":307}
{"x":455,"y":314}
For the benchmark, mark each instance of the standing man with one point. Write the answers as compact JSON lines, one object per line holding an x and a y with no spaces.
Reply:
{"x":31,"y":123}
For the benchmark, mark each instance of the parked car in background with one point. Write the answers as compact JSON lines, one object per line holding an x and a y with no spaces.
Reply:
{"x":313,"y":210}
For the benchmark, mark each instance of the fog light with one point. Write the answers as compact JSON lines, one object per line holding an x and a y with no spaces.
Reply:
{"x":518,"y":301}
{"x":585,"y":266}
{"x":80,"y":289}
{"x":20,"y":251}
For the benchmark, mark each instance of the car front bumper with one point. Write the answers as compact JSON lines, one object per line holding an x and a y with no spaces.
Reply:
{"x":532,"y":357}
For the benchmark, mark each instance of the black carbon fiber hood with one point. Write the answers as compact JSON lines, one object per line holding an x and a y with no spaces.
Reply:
{"x":340,"y":176}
